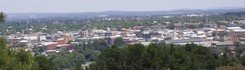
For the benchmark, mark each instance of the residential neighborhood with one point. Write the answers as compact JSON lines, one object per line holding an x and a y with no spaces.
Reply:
{"x":211,"y":35}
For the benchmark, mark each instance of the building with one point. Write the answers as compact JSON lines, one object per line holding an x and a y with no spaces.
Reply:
{"x":185,"y":41}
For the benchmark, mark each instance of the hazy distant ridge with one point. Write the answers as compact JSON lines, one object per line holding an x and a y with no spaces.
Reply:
{"x":125,"y":13}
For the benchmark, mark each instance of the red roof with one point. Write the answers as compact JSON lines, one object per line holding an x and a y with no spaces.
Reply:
{"x":51,"y":46}
{"x":61,"y":42}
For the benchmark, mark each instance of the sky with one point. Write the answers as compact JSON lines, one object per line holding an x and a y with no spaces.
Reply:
{"x":45,"y":6}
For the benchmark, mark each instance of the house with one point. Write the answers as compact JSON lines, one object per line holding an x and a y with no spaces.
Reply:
{"x":241,"y":37}
{"x":224,"y":44}
{"x":51,"y":46}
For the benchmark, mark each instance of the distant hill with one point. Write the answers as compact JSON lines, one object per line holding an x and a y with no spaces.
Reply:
{"x":236,"y":13}
{"x":124,"y":13}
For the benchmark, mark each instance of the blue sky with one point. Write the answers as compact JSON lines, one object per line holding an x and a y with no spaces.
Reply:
{"x":29,"y":6}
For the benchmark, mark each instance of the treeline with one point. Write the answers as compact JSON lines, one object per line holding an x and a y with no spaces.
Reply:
{"x":169,"y":57}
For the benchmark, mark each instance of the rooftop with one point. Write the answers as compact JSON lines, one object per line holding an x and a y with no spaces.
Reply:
{"x":184,"y":41}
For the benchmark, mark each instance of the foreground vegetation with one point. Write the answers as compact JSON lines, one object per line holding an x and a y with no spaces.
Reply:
{"x":156,"y":57}
{"x":11,"y":59}
{"x":131,"y":57}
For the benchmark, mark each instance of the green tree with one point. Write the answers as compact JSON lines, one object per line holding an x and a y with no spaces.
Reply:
{"x":119,"y":42}
{"x":4,"y":58}
{"x":44,"y":63}
{"x":21,"y":45}
{"x":25,"y":60}
{"x":171,"y":26}
{"x":68,"y":59}
{"x":2,"y":17}
{"x":77,"y":66}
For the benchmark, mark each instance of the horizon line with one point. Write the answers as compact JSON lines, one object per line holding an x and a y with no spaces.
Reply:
{"x":220,"y":8}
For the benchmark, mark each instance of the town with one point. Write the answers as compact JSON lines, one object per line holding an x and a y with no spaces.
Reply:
{"x":184,"y":39}
{"x":229,"y":34}
{"x":122,"y":35}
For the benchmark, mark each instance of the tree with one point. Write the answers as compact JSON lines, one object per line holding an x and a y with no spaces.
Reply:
{"x":237,"y":44}
{"x":119,"y":42}
{"x":25,"y":60}
{"x":171,"y":26}
{"x":67,"y":59}
{"x":12,"y":60}
{"x":77,"y":66}
{"x":3,"y":54}
{"x":21,"y":45}
{"x":2,"y":17}
{"x":43,"y":63}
